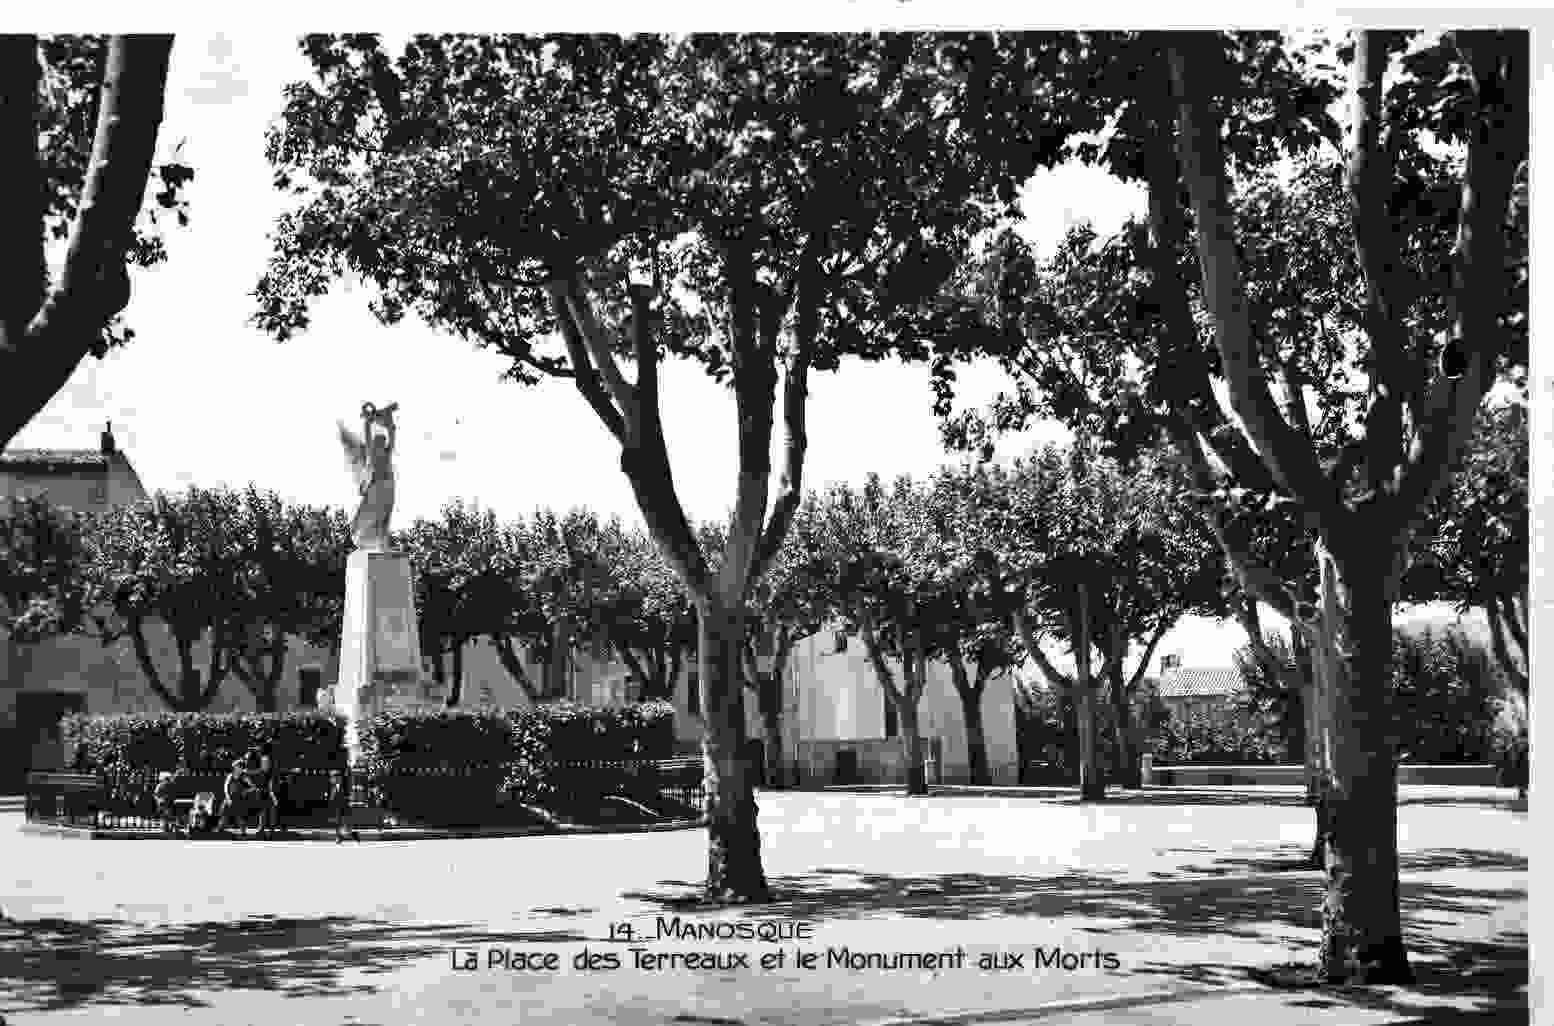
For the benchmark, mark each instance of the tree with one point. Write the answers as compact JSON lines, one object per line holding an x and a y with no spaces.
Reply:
{"x":648,"y":618}
{"x":290,"y":565}
{"x":807,"y":191}
{"x":79,"y":118}
{"x":893,"y":587}
{"x":42,"y":590}
{"x":176,"y":562}
{"x":1475,"y":547}
{"x":1436,"y":258}
{"x":464,"y":587}
{"x":984,"y":634}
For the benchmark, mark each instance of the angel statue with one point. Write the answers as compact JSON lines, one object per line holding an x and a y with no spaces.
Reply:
{"x":370,"y":458}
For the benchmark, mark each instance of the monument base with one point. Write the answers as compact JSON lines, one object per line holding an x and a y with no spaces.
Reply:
{"x":380,"y":651}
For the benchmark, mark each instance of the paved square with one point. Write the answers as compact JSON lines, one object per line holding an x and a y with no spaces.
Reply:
{"x":1179,"y":896}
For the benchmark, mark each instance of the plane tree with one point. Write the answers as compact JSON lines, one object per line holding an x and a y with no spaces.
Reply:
{"x":1422,"y":317}
{"x":807,"y":192}
{"x":79,"y":119}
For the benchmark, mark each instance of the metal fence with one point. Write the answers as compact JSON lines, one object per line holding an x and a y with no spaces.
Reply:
{"x":126,"y":800}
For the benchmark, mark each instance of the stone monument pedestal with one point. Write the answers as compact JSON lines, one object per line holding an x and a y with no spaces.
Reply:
{"x":380,"y":651}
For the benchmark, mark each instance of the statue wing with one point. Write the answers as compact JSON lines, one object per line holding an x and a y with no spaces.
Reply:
{"x":355,"y":456}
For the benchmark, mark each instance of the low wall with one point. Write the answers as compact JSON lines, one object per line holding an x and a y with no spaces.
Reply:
{"x":1478,"y":775}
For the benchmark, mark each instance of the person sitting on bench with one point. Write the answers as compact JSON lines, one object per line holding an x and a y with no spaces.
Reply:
{"x":164,"y":801}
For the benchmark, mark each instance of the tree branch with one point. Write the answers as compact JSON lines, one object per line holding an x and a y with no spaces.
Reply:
{"x":1288,"y":457}
{"x":795,"y":395}
{"x":1161,"y":630}
{"x":1496,"y":151}
{"x":871,"y":646}
{"x":94,"y":285}
{"x":21,"y":216}
{"x":1033,"y":649}
{"x":593,"y":336}
{"x":1376,"y":249}
{"x":755,"y":318}
{"x":514,"y":667}
{"x":585,"y":377}
{"x":1256,"y":578}
{"x":137,"y":635}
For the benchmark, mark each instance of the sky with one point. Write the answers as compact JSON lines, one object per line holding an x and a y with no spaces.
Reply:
{"x":201,"y":397}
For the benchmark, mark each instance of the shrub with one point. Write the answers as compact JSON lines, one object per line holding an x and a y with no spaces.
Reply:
{"x":1445,"y":688}
{"x":585,"y":733}
{"x":454,"y":766}
{"x":202,"y":742}
{"x":444,"y":767}
{"x":132,"y":748}
{"x":1207,"y":739}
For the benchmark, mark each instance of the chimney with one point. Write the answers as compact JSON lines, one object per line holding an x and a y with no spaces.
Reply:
{"x":109,"y":448}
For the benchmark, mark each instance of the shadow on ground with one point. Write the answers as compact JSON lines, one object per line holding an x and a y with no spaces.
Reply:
{"x":51,"y":964}
{"x":1232,"y":899}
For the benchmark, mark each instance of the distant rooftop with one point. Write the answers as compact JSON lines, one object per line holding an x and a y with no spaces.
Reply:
{"x":53,"y":459}
{"x":1188,"y":682}
{"x":61,"y":461}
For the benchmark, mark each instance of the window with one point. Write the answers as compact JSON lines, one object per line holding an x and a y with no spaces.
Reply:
{"x":693,"y":690}
{"x":892,"y":728}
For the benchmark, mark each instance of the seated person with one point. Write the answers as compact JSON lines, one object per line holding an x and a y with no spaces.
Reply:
{"x":164,"y":800}
{"x":202,"y":816}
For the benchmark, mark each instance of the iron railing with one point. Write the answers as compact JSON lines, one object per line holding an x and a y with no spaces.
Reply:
{"x":126,"y":800}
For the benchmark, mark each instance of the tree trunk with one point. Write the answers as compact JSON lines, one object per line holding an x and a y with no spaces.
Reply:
{"x":1362,"y":933}
{"x":556,"y":675}
{"x":976,"y":738}
{"x":772,"y":693}
{"x":734,"y":872}
{"x":456,"y":684}
{"x":45,"y":332}
{"x":971,"y":710}
{"x":1092,"y":785}
{"x":1129,"y":769}
{"x":912,"y":743}
{"x":514,"y":667}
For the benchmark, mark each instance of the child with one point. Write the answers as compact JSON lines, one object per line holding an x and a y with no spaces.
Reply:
{"x":203,"y":815}
{"x":164,"y":801}
{"x":340,"y":805}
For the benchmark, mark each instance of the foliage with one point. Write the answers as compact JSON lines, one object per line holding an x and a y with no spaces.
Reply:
{"x":467,"y":582}
{"x":1446,"y":691}
{"x":240,"y":569}
{"x":1475,"y":546}
{"x":1208,"y":738}
{"x":203,"y":741}
{"x":69,"y":92}
{"x":41,"y":585}
{"x":456,"y":766}
{"x":1267,"y":701}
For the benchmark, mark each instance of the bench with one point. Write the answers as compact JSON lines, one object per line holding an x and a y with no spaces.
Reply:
{"x":68,"y":796}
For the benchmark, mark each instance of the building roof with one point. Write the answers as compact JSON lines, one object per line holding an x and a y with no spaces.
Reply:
{"x":57,"y":461}
{"x":1193,"y":682}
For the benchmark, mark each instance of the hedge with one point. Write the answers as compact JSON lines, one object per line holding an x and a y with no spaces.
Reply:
{"x":202,"y":742}
{"x":479,"y":758}
{"x":445,"y":766}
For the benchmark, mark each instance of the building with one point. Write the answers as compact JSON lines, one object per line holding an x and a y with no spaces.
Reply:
{"x":1186,"y":690}
{"x":76,"y":480}
{"x":43,"y":681}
